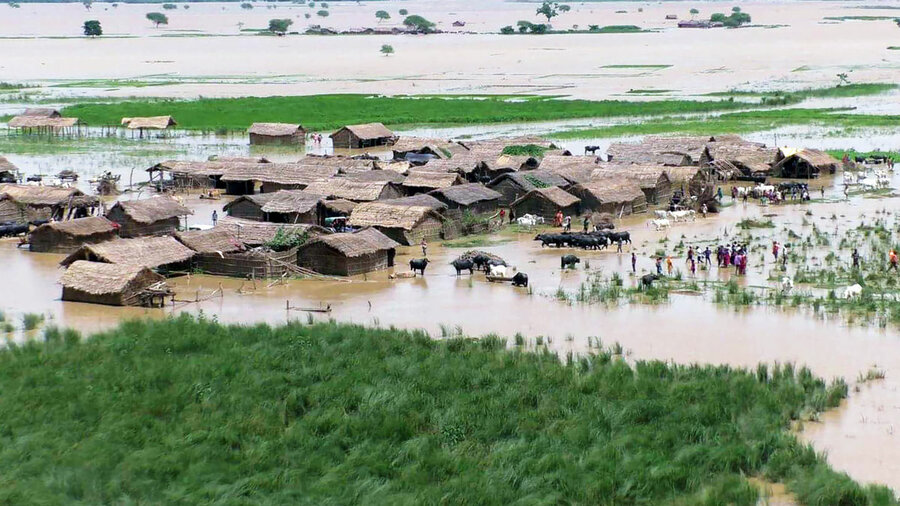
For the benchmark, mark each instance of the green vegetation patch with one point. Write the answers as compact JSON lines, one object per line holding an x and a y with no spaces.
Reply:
{"x":635,"y":66}
{"x":191,"y":411}
{"x":857,"y":18}
{"x":648,"y":92}
{"x":525,"y":150}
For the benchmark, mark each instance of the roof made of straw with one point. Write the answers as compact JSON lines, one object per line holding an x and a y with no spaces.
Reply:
{"x":256,"y":233}
{"x":344,"y":164}
{"x":42,"y":112}
{"x":279,"y":173}
{"x":215,"y":240}
{"x":467,"y":194}
{"x":345,"y":188}
{"x":368,"y":131}
{"x":389,"y":215}
{"x":210,"y":168}
{"x":814,"y":157}
{"x":239,"y":159}
{"x":465,"y":163}
{"x":752,"y":156}
{"x":361,"y":242}
{"x":679,"y":175}
{"x":274,"y":129}
{"x":341,"y":206}
{"x":147,"y":251}
{"x":39,"y":195}
{"x":399,"y":166}
{"x":98,"y":278}
{"x":41,"y":122}
{"x":439,"y":147}
{"x":531,"y":179}
{"x":431,"y":180}
{"x":149,"y":122}
{"x":659,"y":150}
{"x":153,"y":209}
{"x":291,"y":201}
{"x":6,"y":165}
{"x":80,"y":227}
{"x":551,"y":162}
{"x":378,"y":175}
{"x":420,"y":199}
{"x":556,"y":195}
{"x":646,"y":176}
{"x":611,"y":190}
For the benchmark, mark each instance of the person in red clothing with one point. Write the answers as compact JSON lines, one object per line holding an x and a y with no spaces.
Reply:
{"x":557,"y":221}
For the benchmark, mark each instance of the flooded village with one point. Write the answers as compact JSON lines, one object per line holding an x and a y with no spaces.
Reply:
{"x":706,"y":227}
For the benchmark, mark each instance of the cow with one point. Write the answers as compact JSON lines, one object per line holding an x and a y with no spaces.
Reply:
{"x":520,"y":279}
{"x":461,"y":264}
{"x":567,"y":261}
{"x":648,"y":279}
{"x":497,"y":271}
{"x":418,"y":264}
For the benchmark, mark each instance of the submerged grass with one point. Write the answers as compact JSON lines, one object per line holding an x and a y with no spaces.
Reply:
{"x":192,"y":411}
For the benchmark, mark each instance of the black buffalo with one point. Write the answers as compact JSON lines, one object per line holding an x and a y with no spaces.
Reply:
{"x":13,"y":230}
{"x":648,"y":279}
{"x":418,"y":265}
{"x":591,"y":149}
{"x":604,"y":226}
{"x":520,"y":279}
{"x":620,"y":236}
{"x":463,"y":265}
{"x":568,"y":261}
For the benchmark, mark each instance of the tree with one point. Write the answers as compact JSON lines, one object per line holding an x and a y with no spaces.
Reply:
{"x":169,"y":7}
{"x":735,"y":9}
{"x":246,"y":5}
{"x":322,"y":13}
{"x":419,"y":23}
{"x":564,"y":8}
{"x":280,"y":26}
{"x":694,"y":12}
{"x":539,"y":28}
{"x":324,"y":5}
{"x":387,"y":49}
{"x":403,"y":12}
{"x":507,"y":30}
{"x":312,"y":5}
{"x":158,"y":17}
{"x":92,"y":28}
{"x":382,"y":15}
{"x":548,"y":10}
{"x":307,"y":15}
{"x":594,"y":28}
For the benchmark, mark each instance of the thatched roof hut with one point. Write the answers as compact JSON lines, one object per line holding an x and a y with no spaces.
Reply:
{"x":214,"y":240}
{"x":26,"y":203}
{"x":652,"y":179}
{"x":257,"y":233}
{"x":219,"y":252}
{"x":152,"y":252}
{"x":9,"y":173}
{"x":276,"y":133}
{"x":550,"y":163}
{"x":149,"y":123}
{"x":515,"y":185}
{"x":357,"y":191}
{"x":467,"y":165}
{"x":239,"y":159}
{"x":405,"y":224}
{"x":349,"y":254}
{"x":803,"y":163}
{"x":285,"y":206}
{"x":438,"y":148}
{"x":420,"y":200}
{"x":41,"y":112}
{"x":362,"y":136}
{"x":377,"y":175}
{"x":344,"y":164}
{"x":674,"y":151}
{"x":617,"y":196}
{"x":423,"y":181}
{"x":242,"y":179}
{"x":68,"y":236}
{"x":337,"y":207}
{"x":153,"y":216}
{"x":738,"y":157}
{"x":471,"y":197}
{"x":546,"y":202}
{"x":41,"y":124}
{"x":103,"y":283}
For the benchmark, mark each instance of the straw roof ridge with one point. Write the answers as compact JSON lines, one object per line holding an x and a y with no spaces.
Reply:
{"x":6,"y":165}
{"x":345,"y":188}
{"x":361,"y":242}
{"x":467,"y":194}
{"x":98,"y":278}
{"x":147,"y":251}
{"x":389,"y":215}
{"x":274,"y":129}
{"x":420,"y":200}
{"x":149,"y":122}
{"x":41,"y":122}
{"x":238,"y":159}
{"x":554,"y":194}
{"x":38,"y":195}
{"x":433,"y":180}
{"x":368,"y":131}
{"x":279,"y":173}
{"x":646,"y":176}
{"x":80,"y":227}
{"x":619,"y":189}
{"x":153,"y":209}
{"x":256,"y":233}
{"x":390,"y":176}
{"x":291,"y":201}
{"x":527,"y":179}
{"x":215,"y":240}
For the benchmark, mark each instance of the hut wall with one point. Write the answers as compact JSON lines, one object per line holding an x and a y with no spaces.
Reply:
{"x":247,"y":210}
{"x":278,"y":140}
{"x":274,"y":187}
{"x":75,"y":295}
{"x":540,"y":206}
{"x":246,"y":265}
{"x":311,"y":217}
{"x":430,"y":229}
{"x":22,"y":213}
{"x":323,"y":259}
{"x":52,"y":241}
{"x":131,"y":228}
{"x":510,"y":191}
{"x":346,"y":139}
{"x":239,"y":187}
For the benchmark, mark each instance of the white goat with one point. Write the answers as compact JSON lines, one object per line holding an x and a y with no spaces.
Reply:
{"x":852,"y":292}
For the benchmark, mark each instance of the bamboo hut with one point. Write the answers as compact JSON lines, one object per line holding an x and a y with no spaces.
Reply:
{"x":423,"y":181}
{"x":803,"y":163}
{"x":652,"y":179}
{"x":672,"y":151}
{"x":42,"y":125}
{"x":349,"y":254}
{"x":276,"y":134}
{"x":407,"y":225}
{"x":546,"y":202}
{"x":285,"y":206}
{"x":474,"y":198}
{"x":191,"y":175}
{"x":247,"y":179}
{"x":738,"y":158}
{"x":419,"y":199}
{"x":148,"y":123}
{"x":68,"y":236}
{"x":362,"y":136}
{"x":690,"y":180}
{"x":617,"y":196}
{"x":434,"y":148}
{"x":9,"y":173}
{"x":515,"y":185}
{"x":467,"y":165}
{"x":153,"y":216}
{"x":257,"y":233}
{"x":25,"y":203}
{"x":219,"y":252}
{"x":343,"y":164}
{"x":357,"y":191}
{"x":154,"y":252}
{"x":110,"y":284}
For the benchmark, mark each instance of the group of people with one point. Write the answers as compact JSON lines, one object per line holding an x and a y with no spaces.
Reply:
{"x":317,"y":139}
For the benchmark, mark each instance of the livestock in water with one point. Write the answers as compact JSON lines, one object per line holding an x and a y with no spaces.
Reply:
{"x":853,"y":292}
{"x":620,"y":237}
{"x":463,"y":264}
{"x":591,"y":149}
{"x":787,"y":284}
{"x":567,"y":261}
{"x":648,"y":279}
{"x":520,"y":279}
{"x":418,"y":264}
{"x":497,"y":271}
{"x":13,"y":230}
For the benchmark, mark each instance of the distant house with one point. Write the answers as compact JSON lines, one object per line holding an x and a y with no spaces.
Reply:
{"x":419,"y":199}
{"x":9,"y":173}
{"x":285,"y":206}
{"x":276,"y":133}
{"x":349,"y":254}
{"x":619,"y":196}
{"x":68,"y":236}
{"x":422,"y":181}
{"x":41,"y":112}
{"x":149,"y":123}
{"x":153,"y":252}
{"x":153,"y":216}
{"x":247,"y":179}
{"x":357,"y":191}
{"x":653,"y":150}
{"x":803,"y":163}
{"x":362,"y":136}
{"x":471,"y":197}
{"x":731,"y":156}
{"x":192,"y":175}
{"x":427,"y":148}
{"x":110,"y":284}
{"x":653,"y":180}
{"x":43,"y":124}
{"x":515,"y":185}
{"x":407,"y":225}
{"x":26,"y":203}
{"x":546,"y":202}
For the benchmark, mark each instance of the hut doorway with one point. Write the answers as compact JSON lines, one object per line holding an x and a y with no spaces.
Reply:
{"x":390,"y":257}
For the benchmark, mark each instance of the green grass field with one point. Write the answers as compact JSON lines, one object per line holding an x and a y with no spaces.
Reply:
{"x":189,"y":411}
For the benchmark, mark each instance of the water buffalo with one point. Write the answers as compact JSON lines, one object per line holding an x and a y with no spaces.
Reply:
{"x":620,"y":236}
{"x":604,"y":226}
{"x":568,"y":261}
{"x":463,"y":265}
{"x":520,"y":279}
{"x":418,"y":264}
{"x":591,"y":149}
{"x":648,"y":279}
{"x":549,"y":239}
{"x":13,"y":230}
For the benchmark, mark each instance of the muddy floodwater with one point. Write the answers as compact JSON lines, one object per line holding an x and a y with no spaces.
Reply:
{"x":214,"y":49}
{"x":859,"y":437}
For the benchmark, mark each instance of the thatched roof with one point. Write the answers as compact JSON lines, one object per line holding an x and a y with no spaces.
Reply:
{"x":611,"y":190}
{"x":39,"y":195}
{"x":239,"y":159}
{"x":378,"y":175}
{"x":80,"y":227}
{"x":345,"y":188}
{"x":215,"y":240}
{"x":750,"y":157}
{"x":512,"y":162}
{"x":153,"y":209}
{"x":279,"y":173}
{"x":552,"y":162}
{"x":146,"y":251}
{"x":431,"y":180}
{"x":814,"y":157}
{"x":368,"y":131}
{"x":438,"y":147}
{"x":399,"y":166}
{"x":646,"y":176}
{"x":466,"y":194}
{"x":497,"y":145}
{"x":7,"y":166}
{"x":41,"y":112}
{"x":99,"y":278}
{"x":206,"y":169}
{"x":532,"y":179}
{"x":256,"y":233}
{"x":283,"y":201}
{"x":660,"y":150}
{"x":389,"y":215}
{"x":361,"y":242}
{"x":420,"y":200}
{"x":275,"y":129}
{"x":680,"y":175}
{"x":344,"y":164}
{"x":556,"y":195}
{"x":149,"y":123}
{"x":41,"y":122}
{"x":463,"y":163}
{"x":340,"y":206}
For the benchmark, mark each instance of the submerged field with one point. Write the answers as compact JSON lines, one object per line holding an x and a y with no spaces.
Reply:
{"x":191,"y":411}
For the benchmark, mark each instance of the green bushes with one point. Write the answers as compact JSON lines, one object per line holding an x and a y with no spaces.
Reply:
{"x":524,"y":150}
{"x":285,"y":239}
{"x":733,"y":20}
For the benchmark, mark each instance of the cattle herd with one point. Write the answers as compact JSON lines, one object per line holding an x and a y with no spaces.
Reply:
{"x":596,"y":240}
